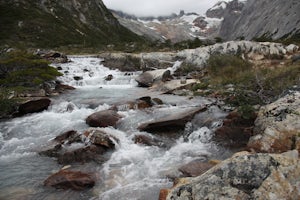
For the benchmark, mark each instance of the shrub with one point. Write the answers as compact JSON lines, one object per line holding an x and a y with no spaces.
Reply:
{"x":22,"y":69}
{"x":226,"y":69}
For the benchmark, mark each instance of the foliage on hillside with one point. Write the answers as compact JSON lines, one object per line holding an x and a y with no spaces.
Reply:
{"x":27,"y":24}
{"x":243,"y":85}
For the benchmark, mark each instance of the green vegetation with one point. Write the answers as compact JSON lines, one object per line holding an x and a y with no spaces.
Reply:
{"x":25,"y":70}
{"x":21,"y":72}
{"x":242,"y":85}
{"x":28,"y":24}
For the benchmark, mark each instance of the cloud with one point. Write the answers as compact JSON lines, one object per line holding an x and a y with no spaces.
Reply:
{"x":159,"y":7}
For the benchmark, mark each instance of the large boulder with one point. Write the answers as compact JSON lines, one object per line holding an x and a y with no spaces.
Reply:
{"x":103,"y":118}
{"x":147,"y":78}
{"x":90,"y":146}
{"x":74,"y":180}
{"x":195,"y":168}
{"x":236,"y":130}
{"x":277,"y":126}
{"x":244,"y":176}
{"x":33,"y":106}
{"x":171,"y":121}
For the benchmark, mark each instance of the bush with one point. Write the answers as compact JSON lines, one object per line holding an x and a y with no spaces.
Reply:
{"x":251,"y":86}
{"x":228,"y":69}
{"x":27,"y":70}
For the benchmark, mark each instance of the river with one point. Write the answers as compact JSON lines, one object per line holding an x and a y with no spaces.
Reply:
{"x":133,"y":171}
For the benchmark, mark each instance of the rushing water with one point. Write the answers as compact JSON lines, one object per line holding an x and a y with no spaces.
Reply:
{"x":134,"y":171}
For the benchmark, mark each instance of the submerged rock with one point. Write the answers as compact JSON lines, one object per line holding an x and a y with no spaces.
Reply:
{"x":148,"y":141}
{"x":277,"y":126}
{"x":103,"y":118}
{"x":244,"y":176}
{"x":74,"y":180}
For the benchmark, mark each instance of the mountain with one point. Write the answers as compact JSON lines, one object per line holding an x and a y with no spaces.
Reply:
{"x":274,"y":19}
{"x":54,"y":23}
{"x":176,"y":28}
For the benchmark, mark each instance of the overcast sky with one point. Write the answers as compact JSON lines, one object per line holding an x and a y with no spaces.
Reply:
{"x":159,"y":7}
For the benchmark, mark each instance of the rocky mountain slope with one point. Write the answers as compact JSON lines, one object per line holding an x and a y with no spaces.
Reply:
{"x":176,"y":28}
{"x":273,"y":19}
{"x":47,"y":23}
{"x":229,"y":19}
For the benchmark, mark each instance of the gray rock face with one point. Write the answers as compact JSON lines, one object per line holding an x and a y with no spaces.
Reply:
{"x":223,"y":8}
{"x":269,"y":18}
{"x":244,"y":176}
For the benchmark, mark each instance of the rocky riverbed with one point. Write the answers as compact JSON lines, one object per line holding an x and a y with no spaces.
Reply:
{"x":107,"y":138}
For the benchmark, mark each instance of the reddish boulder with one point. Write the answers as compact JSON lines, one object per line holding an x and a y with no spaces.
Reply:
{"x":74,"y":180}
{"x":103,"y":118}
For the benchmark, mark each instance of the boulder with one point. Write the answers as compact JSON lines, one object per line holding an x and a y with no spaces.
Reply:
{"x":195,"y":168}
{"x":109,"y":77}
{"x":236,"y":130}
{"x":147,"y":140}
{"x":82,"y":155}
{"x":147,"y":78}
{"x":74,"y":180}
{"x":34,"y":106}
{"x":68,"y":137}
{"x":244,"y":176}
{"x":101,"y":138}
{"x":90,"y":146}
{"x":61,"y":88}
{"x":103,"y":118}
{"x":171,"y":121}
{"x":78,"y":78}
{"x":277,"y":126}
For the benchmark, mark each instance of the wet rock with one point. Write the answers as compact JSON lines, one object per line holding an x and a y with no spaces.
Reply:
{"x":71,"y":147}
{"x":109,"y":77}
{"x":171,"y":121}
{"x":195,"y":168}
{"x":147,"y":140}
{"x":74,"y":180}
{"x":147,"y":78}
{"x":34,"y":106}
{"x":83,"y":155}
{"x":244,"y":176}
{"x":236,"y":130}
{"x":54,"y":151}
{"x":172,"y":85}
{"x":77,"y":78}
{"x":166,"y":76}
{"x":68,"y":137}
{"x":101,"y":138}
{"x":296,"y":58}
{"x":103,"y":118}
{"x":157,"y":101}
{"x":277,"y":126}
{"x":53,"y":56}
{"x":62,"y":88}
